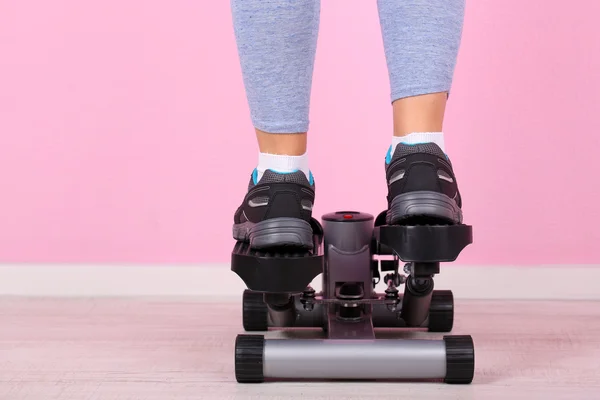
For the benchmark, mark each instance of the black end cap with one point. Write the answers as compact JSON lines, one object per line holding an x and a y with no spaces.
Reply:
{"x":460,"y":359}
{"x":255,"y":315}
{"x":441,"y":311}
{"x":249,"y":350}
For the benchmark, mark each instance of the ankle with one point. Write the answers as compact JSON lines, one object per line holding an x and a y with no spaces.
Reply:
{"x":424,"y":113}
{"x":287,"y":144}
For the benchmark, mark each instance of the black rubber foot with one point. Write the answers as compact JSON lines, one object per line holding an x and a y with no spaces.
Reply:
{"x":441,"y":311}
{"x":460,"y":359}
{"x":254,"y":312}
{"x":249,"y":351}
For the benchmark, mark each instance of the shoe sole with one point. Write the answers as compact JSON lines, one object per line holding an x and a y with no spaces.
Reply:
{"x":275,"y":232}
{"x":424,"y":204}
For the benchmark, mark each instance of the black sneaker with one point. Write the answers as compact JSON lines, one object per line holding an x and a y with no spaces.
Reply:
{"x":422,"y":187}
{"x":276,"y":211}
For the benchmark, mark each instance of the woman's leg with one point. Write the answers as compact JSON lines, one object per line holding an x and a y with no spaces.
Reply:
{"x":421,"y":40}
{"x":276,"y":42}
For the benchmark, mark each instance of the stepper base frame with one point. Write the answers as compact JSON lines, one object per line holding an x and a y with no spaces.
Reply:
{"x":348,"y":309}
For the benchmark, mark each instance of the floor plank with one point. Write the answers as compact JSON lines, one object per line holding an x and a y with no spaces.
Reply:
{"x":117,"y":349}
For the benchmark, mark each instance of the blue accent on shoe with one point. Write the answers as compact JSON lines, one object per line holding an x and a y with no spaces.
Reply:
{"x":388,"y":156}
{"x":311,"y":179}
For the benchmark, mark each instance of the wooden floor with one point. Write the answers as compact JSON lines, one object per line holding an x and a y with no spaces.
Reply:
{"x":183,"y":349}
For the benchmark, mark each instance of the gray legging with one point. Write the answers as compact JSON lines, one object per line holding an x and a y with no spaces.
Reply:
{"x":277,"y":41}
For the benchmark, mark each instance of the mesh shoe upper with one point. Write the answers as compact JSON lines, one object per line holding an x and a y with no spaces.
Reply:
{"x":420,"y":167}
{"x":277,"y":195}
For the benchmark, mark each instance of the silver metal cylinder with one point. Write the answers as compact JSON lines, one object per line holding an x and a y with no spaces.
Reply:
{"x":354,"y":359}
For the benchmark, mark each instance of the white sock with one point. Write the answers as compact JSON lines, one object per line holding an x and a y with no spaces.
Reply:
{"x":282,"y":164}
{"x":419,"y":137}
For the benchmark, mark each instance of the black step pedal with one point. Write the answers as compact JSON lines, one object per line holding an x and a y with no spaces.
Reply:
{"x":422,"y":243}
{"x":279,"y":270}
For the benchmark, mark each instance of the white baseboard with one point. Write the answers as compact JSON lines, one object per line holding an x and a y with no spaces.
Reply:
{"x":568,"y":282}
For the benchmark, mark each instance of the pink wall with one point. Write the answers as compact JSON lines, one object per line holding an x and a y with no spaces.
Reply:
{"x":113,"y":114}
